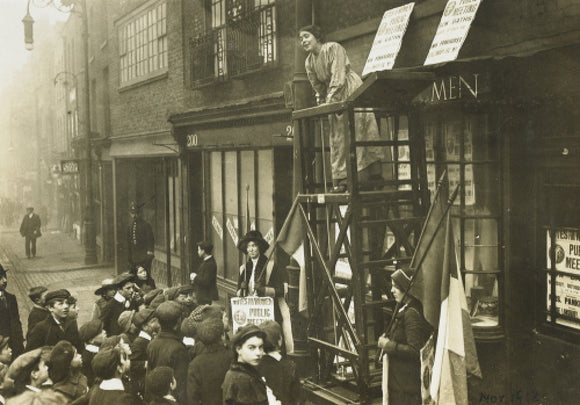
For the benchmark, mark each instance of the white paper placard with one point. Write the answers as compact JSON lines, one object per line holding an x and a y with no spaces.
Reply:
{"x":452,"y":31}
{"x":387,"y":43}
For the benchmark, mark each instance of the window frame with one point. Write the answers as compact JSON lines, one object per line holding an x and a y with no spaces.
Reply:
{"x":224,"y":41}
{"x":460,"y":213}
{"x":143,"y":44}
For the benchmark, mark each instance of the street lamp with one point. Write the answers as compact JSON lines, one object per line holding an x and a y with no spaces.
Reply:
{"x":67,"y":6}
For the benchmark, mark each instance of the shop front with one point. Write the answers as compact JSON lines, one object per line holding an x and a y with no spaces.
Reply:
{"x":506,"y":132}
{"x":239,"y":177}
{"x":146,"y":171}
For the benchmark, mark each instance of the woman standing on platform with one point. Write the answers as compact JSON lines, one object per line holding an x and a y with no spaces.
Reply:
{"x":328,"y":69}
{"x":408,"y":335}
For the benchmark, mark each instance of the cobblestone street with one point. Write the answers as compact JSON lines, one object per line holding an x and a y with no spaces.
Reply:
{"x":59,"y":264}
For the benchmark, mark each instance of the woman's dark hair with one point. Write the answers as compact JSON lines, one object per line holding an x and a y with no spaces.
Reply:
{"x":314,"y":30}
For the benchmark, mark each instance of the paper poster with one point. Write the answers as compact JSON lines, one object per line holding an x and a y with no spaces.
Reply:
{"x":217,"y":227}
{"x":387,"y":43}
{"x":251,"y":311}
{"x":452,"y":30}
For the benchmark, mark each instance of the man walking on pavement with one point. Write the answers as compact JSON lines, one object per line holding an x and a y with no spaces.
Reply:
{"x":140,"y":240}
{"x":30,"y":230}
{"x":9,"y":317}
{"x":205,"y":279}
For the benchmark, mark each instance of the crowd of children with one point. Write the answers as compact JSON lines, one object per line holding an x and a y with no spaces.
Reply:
{"x":144,"y":345}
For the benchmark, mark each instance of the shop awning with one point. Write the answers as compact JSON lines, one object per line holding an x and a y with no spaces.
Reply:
{"x":144,"y":145}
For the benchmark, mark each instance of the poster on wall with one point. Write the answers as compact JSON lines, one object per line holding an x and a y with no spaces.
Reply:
{"x":452,"y":30}
{"x":387,"y":43}
{"x":567,"y":290}
{"x":251,"y":311}
{"x":567,"y":250}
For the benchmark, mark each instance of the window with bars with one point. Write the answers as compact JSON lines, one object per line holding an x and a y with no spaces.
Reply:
{"x":143,"y":44}
{"x":241,"y":38}
{"x":464,"y":144}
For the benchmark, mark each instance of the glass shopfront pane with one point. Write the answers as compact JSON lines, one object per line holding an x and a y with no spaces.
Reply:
{"x":463,"y":145}
{"x":216,"y":209}
{"x":232,"y":225}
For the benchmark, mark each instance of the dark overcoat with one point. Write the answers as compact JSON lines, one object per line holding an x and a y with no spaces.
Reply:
{"x":282,"y":377}
{"x":49,"y":333}
{"x":30,"y":226}
{"x":110,"y":314}
{"x":140,"y":240}
{"x":244,"y":385}
{"x":409,"y":334}
{"x":167,"y":349}
{"x":206,"y":374}
{"x":35,"y":316}
{"x":10,"y":324}
{"x":205,"y":284}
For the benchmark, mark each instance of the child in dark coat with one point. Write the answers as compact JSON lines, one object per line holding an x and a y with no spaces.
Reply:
{"x":280,"y":373}
{"x":208,"y":369}
{"x":243,"y":383}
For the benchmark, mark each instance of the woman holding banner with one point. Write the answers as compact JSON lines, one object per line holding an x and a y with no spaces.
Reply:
{"x":261,"y":277}
{"x":408,"y":335}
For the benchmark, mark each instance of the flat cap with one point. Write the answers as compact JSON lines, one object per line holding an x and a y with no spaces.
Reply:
{"x":123,"y":278}
{"x":60,"y":359}
{"x":36,"y":292}
{"x":246,"y":332}
{"x":143,"y":316}
{"x":125,"y":320}
{"x":105,"y":362}
{"x":168,"y":311}
{"x":185,"y":289}
{"x":90,"y":329}
{"x":151,"y":295}
{"x":57,"y":294}
{"x":159,"y":380}
{"x":210,"y":331}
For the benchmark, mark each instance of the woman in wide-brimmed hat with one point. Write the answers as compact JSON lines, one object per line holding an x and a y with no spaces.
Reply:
{"x":261,"y":277}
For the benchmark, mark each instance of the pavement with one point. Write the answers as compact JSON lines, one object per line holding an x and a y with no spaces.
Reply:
{"x":59,"y":263}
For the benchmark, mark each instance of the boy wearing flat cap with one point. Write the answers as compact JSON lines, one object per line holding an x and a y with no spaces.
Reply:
{"x":148,"y":325}
{"x":9,"y":317}
{"x":111,"y":365}
{"x":57,"y":326}
{"x":38,"y":312}
{"x":106,"y":292}
{"x":121,"y":301}
{"x":167,"y":349}
{"x":29,"y":371}
{"x":160,"y":384}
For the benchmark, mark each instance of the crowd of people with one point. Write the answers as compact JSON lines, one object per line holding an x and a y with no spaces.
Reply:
{"x":142,"y":345}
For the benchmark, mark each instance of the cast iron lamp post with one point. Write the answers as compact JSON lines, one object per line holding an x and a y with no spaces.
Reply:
{"x":73,"y":6}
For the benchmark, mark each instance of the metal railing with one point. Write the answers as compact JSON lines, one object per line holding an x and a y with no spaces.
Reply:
{"x":246,"y":43}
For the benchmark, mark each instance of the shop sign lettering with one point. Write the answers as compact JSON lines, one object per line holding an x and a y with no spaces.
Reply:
{"x":69,"y":167}
{"x":455,"y":88}
{"x":192,"y":140}
{"x":232,"y":230}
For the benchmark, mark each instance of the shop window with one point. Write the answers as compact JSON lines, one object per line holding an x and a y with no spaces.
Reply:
{"x":240,"y":182}
{"x":241,"y":38}
{"x":464,"y":145}
{"x":559,"y":204}
{"x":143,"y":43}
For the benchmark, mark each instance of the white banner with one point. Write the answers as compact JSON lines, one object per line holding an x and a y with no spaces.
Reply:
{"x":387,"y":43}
{"x":452,"y":30}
